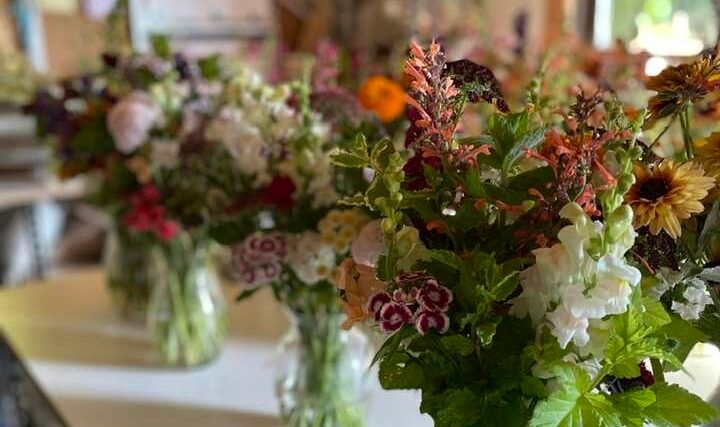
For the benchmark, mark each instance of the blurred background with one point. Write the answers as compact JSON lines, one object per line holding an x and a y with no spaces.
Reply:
{"x":42,"y":227}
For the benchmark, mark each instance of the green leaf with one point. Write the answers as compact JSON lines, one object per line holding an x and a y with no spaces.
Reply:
{"x":533,"y":386}
{"x":400,"y":372}
{"x":458,"y":344}
{"x":381,"y":152}
{"x":161,"y":46}
{"x":446,"y":257}
{"x":461,"y":407}
{"x":574,"y":405}
{"x":349,"y":160}
{"x":506,"y":286}
{"x":392,"y":343}
{"x":247,"y":293}
{"x":530,"y":141}
{"x":710,"y":228}
{"x":654,"y":314}
{"x":630,"y":405}
{"x":359,"y":145}
{"x":534,"y":178}
{"x":680,"y":336}
{"x":473,"y":182}
{"x":676,"y":407}
{"x":210,"y":67}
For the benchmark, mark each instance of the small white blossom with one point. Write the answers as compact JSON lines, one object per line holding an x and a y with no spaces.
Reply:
{"x":696,"y":299}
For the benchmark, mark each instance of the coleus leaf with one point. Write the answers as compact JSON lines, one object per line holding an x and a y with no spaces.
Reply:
{"x":477,"y":82}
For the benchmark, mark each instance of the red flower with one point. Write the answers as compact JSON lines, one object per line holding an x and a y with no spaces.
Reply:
{"x":393,"y":316}
{"x":427,"y":320}
{"x":279,"y":193}
{"x":167,"y":230}
{"x":435,"y":297}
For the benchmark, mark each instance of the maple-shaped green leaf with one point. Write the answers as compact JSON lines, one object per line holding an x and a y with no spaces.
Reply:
{"x":574,"y":404}
{"x":676,"y":407}
{"x":630,"y":405}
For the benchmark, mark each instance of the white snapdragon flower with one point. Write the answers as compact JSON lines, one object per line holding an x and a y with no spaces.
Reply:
{"x":567,"y":327}
{"x":696,"y":299}
{"x":581,"y":288}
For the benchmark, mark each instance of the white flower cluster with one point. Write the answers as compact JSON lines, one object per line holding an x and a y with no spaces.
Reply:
{"x":585,"y":277}
{"x":258,"y":128}
{"x":696,"y":298}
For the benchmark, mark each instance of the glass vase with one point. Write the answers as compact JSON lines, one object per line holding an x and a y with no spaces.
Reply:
{"x":324,"y":371}
{"x":187,"y":316}
{"x":127,"y":264}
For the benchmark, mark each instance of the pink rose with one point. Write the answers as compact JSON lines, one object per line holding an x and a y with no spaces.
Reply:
{"x":131,"y":120}
{"x":369,"y":244}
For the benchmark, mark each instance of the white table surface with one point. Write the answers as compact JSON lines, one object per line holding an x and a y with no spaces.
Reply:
{"x":95,"y":366}
{"x":99,"y":370}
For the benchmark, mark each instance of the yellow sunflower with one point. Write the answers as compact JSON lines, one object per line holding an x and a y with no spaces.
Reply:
{"x":681,"y":85}
{"x":707,"y":153}
{"x":666,"y":193}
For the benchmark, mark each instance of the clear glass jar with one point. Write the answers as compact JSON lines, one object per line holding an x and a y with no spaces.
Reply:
{"x":323,"y":376}
{"x":127,"y":263}
{"x":187,"y":315}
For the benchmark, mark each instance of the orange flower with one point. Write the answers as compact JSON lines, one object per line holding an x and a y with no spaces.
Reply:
{"x":359,"y":284}
{"x":681,"y":85}
{"x":384,"y":97}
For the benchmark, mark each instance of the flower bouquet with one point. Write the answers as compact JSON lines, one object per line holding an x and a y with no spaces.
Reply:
{"x":130,"y":129}
{"x":537,"y":275}
{"x":272,"y":189}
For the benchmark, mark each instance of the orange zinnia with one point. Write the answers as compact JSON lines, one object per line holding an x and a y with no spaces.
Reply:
{"x":384,"y":97}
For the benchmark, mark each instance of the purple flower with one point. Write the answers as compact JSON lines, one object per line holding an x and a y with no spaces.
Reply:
{"x":427,"y":320}
{"x":403,"y":297}
{"x":393,"y":316}
{"x":258,"y":259}
{"x":266,"y":246}
{"x":434,"y":297}
{"x":377,"y":302}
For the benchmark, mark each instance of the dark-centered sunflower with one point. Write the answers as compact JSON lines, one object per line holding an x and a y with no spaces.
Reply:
{"x":666,"y":193}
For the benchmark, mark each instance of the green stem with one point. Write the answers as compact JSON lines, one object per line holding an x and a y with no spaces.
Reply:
{"x":687,"y":135}
{"x":600,"y":377}
{"x":320,"y":393}
{"x":658,"y":371}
